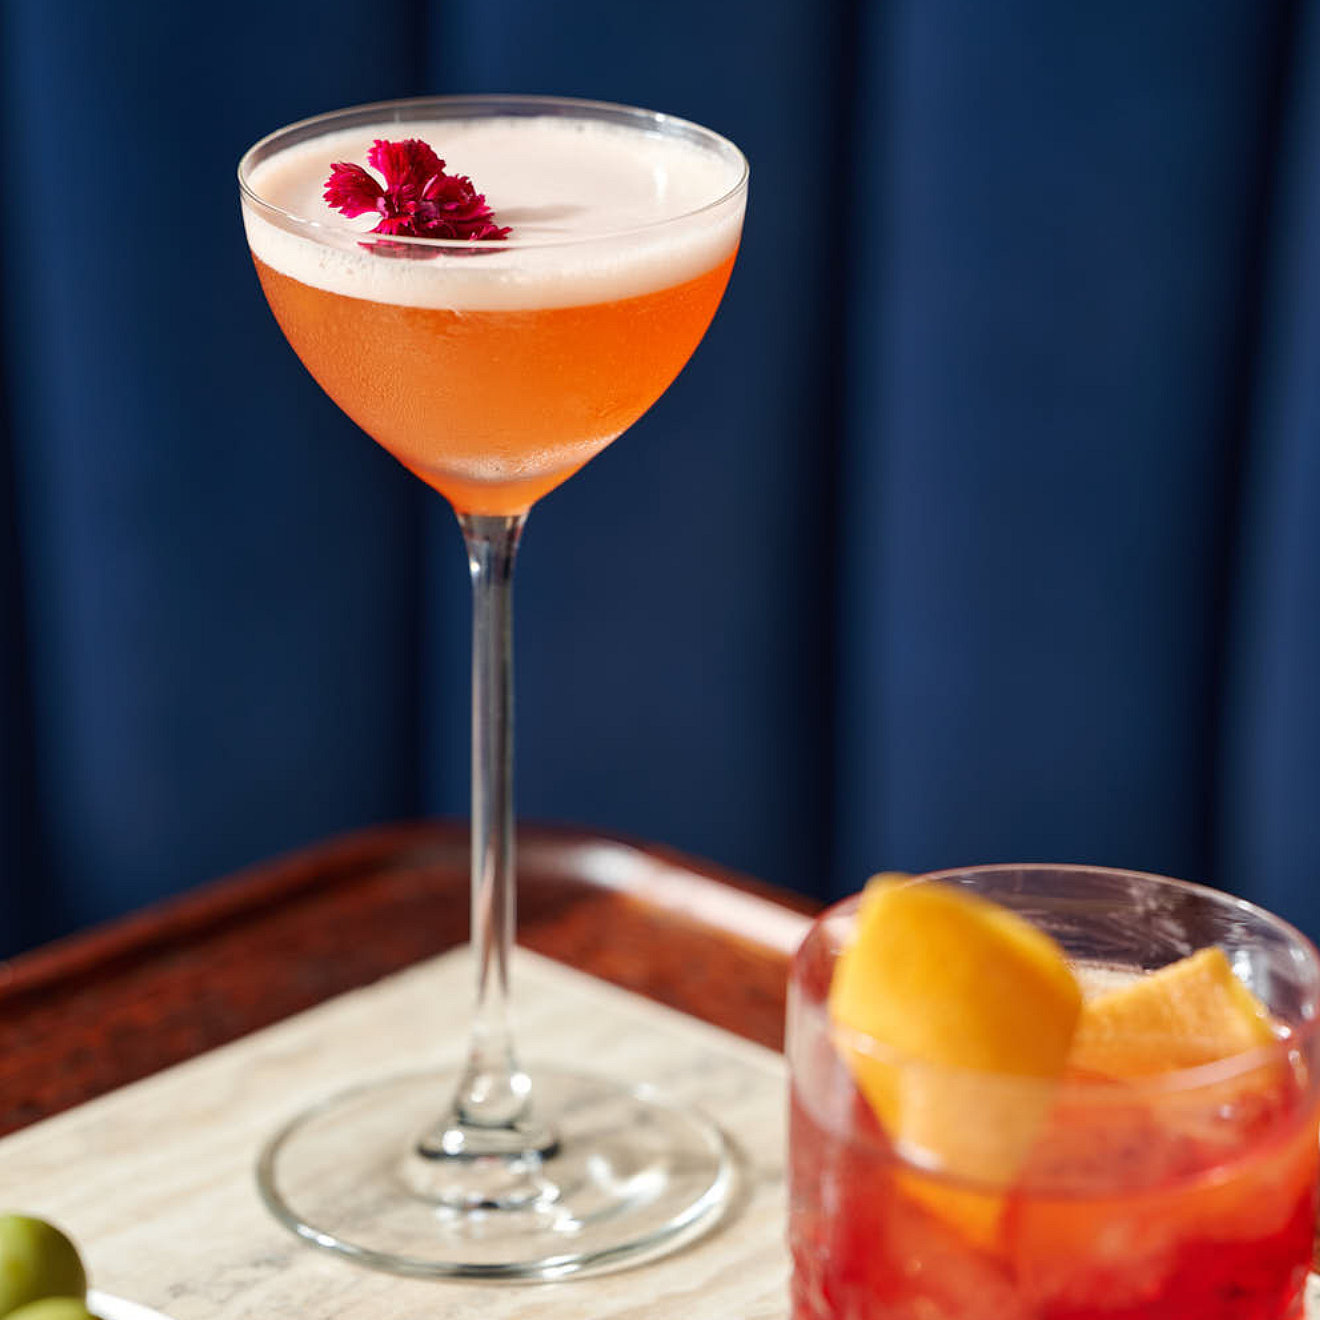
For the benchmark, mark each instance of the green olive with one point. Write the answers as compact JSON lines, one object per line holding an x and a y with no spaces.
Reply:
{"x":52,"y":1308}
{"x":37,"y":1261}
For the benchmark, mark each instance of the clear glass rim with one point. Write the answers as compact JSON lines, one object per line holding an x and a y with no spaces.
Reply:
{"x":1100,"y":1091}
{"x":492,"y":104}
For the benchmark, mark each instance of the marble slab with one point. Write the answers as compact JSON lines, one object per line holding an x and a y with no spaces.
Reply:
{"x":156,"y":1181}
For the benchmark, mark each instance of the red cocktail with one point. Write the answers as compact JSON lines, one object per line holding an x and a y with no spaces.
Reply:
{"x":1183,"y":1193}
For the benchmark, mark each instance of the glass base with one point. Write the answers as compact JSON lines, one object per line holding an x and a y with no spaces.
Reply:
{"x":627,"y":1177}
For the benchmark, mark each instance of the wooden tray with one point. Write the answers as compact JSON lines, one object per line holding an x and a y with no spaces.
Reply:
{"x":92,"y":1013}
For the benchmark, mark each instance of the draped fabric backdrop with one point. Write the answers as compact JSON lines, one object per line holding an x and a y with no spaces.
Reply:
{"x":985,"y":525}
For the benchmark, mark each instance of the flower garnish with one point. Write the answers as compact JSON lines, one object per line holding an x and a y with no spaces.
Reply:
{"x":417,"y":200}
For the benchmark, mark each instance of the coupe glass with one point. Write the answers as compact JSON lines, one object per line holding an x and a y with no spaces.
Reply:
{"x":494,"y":370}
{"x":1188,"y":1194}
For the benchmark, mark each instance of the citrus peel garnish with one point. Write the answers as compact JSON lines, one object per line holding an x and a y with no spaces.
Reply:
{"x":1192,"y":1012}
{"x":955,"y":1018}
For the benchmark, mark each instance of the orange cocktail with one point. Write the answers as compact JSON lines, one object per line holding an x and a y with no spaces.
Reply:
{"x":1136,"y":1190}
{"x":494,"y":371}
{"x":501,"y":406}
{"x":494,"y":288}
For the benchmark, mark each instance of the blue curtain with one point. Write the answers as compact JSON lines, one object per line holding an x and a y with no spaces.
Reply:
{"x":985,"y":525}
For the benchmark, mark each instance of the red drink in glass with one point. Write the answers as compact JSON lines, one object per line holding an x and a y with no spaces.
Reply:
{"x":1187,"y":1195}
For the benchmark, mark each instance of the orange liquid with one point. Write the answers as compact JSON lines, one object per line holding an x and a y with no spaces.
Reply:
{"x":494,"y":408}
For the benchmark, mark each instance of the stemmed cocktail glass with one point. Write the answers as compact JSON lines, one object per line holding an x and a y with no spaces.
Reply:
{"x":494,"y":368}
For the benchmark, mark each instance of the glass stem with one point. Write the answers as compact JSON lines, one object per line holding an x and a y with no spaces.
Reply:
{"x":494,"y":1092}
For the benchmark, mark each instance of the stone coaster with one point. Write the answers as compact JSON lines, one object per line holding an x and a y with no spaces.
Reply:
{"x":156,"y":1182}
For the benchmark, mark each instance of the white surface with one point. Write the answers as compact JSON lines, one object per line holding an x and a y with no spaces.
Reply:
{"x":156,"y":1182}
{"x":556,"y":181}
{"x":105,"y":1307}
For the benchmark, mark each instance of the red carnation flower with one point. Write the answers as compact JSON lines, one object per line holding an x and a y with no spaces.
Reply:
{"x":417,"y":200}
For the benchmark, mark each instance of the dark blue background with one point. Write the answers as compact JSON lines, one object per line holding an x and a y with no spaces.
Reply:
{"x":985,"y":524}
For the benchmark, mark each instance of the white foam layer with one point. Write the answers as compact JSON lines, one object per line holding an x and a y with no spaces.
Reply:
{"x":598,"y":211}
